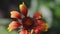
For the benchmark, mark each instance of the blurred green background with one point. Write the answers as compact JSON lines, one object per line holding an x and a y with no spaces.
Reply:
{"x":50,"y":10}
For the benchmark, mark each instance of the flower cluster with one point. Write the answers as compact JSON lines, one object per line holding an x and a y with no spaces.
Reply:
{"x":30,"y":24}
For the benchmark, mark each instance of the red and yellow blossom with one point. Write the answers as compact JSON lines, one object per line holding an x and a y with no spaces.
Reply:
{"x":30,"y":24}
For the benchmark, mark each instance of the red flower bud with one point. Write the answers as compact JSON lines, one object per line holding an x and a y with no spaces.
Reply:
{"x":23,"y":9}
{"x":13,"y":25}
{"x":15,"y":14}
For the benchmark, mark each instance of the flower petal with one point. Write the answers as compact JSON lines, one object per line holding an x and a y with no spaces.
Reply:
{"x":44,"y":27}
{"x":23,"y":9}
{"x":40,"y":26}
{"x":13,"y":25}
{"x":15,"y":14}
{"x":37,"y":15}
{"x":24,"y":32}
{"x":37,"y":30}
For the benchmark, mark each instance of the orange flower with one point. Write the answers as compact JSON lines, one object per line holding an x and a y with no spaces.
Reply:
{"x":30,"y":25}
